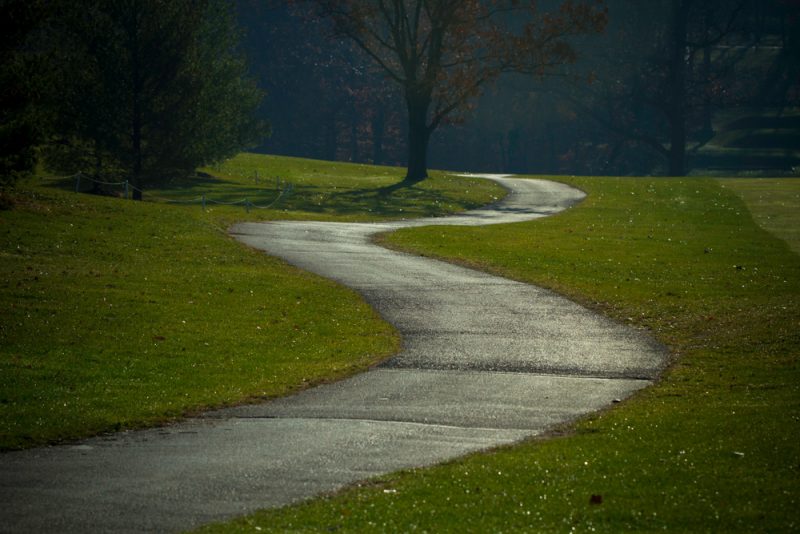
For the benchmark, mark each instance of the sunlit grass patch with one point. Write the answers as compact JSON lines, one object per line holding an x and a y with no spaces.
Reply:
{"x":774,"y":203}
{"x":296,"y":188}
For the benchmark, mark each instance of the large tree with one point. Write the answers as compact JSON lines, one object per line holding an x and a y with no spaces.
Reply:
{"x":21,"y":125}
{"x":443,"y":52}
{"x":152,"y":88}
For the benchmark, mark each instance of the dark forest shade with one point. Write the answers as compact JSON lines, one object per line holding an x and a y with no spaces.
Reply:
{"x":143,"y":90}
{"x":20,"y":124}
{"x":620,"y":109}
{"x":441,"y":53}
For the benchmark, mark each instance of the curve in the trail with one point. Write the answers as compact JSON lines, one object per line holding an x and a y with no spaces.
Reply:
{"x":485,"y":361}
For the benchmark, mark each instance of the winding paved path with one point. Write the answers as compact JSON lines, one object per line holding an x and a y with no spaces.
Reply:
{"x":486,"y":361}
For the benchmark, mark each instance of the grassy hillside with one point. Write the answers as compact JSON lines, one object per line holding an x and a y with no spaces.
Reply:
{"x":117,"y":314}
{"x":296,"y":188}
{"x":712,"y":448}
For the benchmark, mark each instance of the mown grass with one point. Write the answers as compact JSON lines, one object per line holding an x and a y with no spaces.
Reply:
{"x":304,"y":189}
{"x":774,"y":203}
{"x":711,"y":448}
{"x":117,"y":314}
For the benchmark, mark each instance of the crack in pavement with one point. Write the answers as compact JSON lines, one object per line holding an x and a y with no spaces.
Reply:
{"x":485,"y":362}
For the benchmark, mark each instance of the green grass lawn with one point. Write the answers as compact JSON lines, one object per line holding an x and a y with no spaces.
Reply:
{"x":118,"y":314}
{"x":713,"y":447}
{"x":326,"y":191}
{"x":774,"y":203}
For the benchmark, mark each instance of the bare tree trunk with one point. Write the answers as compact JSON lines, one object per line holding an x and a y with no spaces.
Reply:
{"x":378,"y":129}
{"x":677,"y":148}
{"x":677,"y":89}
{"x":552,"y":155}
{"x":136,"y":119}
{"x":136,"y":179}
{"x":418,"y":137}
{"x":354,"y":153}
{"x":330,"y":136}
{"x":708,"y":114}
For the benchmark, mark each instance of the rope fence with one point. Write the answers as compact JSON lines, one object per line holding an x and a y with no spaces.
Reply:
{"x":284,"y":190}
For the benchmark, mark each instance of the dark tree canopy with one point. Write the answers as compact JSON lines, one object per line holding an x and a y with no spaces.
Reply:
{"x":326,"y":100}
{"x":149,"y":89}
{"x":443,"y":52}
{"x":666,"y":67}
{"x":20,"y":124}
{"x":619,"y":109}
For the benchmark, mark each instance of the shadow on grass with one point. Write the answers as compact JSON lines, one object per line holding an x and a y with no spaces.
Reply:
{"x":391,"y":201}
{"x":398,"y":200}
{"x":87,"y":184}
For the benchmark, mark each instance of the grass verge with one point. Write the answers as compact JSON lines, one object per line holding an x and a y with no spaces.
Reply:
{"x":118,"y":314}
{"x":712,"y":447}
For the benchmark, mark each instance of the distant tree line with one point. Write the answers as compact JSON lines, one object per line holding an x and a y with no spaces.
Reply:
{"x":145,"y":90}
{"x":640,"y":99}
{"x":148,"y":90}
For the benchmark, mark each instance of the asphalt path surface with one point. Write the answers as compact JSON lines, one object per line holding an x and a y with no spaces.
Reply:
{"x":485,"y":362}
